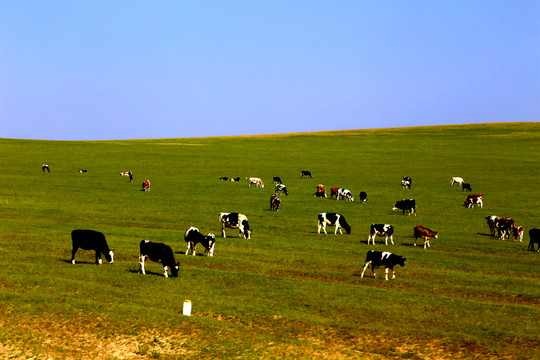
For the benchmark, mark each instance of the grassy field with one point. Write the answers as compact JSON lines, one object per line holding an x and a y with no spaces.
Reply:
{"x":287,"y":293}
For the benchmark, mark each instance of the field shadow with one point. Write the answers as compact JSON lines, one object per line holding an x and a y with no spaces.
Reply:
{"x":78,"y":262}
{"x":487,"y":235}
{"x":153,"y":273}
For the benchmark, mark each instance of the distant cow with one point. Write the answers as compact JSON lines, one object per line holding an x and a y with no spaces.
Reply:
{"x":466,"y":186}
{"x":456,"y":180}
{"x":275,"y":201}
{"x":45,"y":168}
{"x":91,"y":240}
{"x":407,"y":205}
{"x":345,"y":194}
{"x":474,"y":199}
{"x":277,"y":180}
{"x":534,"y":236}
{"x":493,"y":222}
{"x":256,"y":181}
{"x":320,"y":194}
{"x":235,"y":179}
{"x":406,"y":182}
{"x":146,"y":185}
{"x":321,"y":191}
{"x":517,"y":233}
{"x":333,"y":192}
{"x":332,"y":219}
{"x":363,"y":197}
{"x":125,"y":173}
{"x":194,"y":237}
{"x":83,"y":170}
{"x":386,"y":259}
{"x":130,"y":177}
{"x":381,"y":230}
{"x":224,"y":178}
{"x":425,"y":233}
{"x":158,"y":252}
{"x":235,"y":221}
{"x":281,"y":189}
{"x":505,"y":227}
{"x":306,"y":174}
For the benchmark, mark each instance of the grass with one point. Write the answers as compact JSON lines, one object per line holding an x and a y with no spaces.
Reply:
{"x":288,"y":292}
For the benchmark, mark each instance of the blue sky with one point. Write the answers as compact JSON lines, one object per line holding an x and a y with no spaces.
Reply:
{"x":85,"y":70}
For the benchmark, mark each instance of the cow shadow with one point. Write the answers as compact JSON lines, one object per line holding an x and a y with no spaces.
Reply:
{"x":79,"y":262}
{"x":486,"y":235}
{"x":153,"y":273}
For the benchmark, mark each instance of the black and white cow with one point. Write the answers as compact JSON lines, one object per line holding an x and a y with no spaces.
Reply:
{"x":332,"y":219}
{"x":534,"y":236}
{"x":224,"y":178}
{"x":45,"y":168}
{"x":363,"y":197}
{"x":406,"y":182}
{"x":83,"y":170}
{"x":493,"y":222}
{"x":91,"y":240}
{"x":235,"y":221}
{"x":381,"y":230}
{"x":194,"y":237}
{"x":383,"y":258}
{"x":235,"y":179}
{"x":344,"y":194}
{"x":408,"y":205}
{"x":275,"y":202}
{"x":277,"y":180}
{"x":307,"y":174}
{"x":282,"y":189}
{"x":158,"y":252}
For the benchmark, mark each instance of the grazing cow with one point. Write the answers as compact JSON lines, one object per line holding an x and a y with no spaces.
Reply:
{"x":125,"y":173}
{"x":474,"y":199}
{"x":425,"y":233}
{"x":306,"y":174}
{"x":224,"y":178}
{"x":158,"y":252}
{"x":363,"y":197}
{"x":406,"y":182}
{"x":456,"y":180}
{"x":194,"y":237}
{"x":146,"y":185}
{"x":320,"y":194}
{"x":345,"y":194}
{"x":493,"y":222}
{"x":256,"y":181}
{"x":534,"y":236}
{"x":333,"y":192}
{"x":383,"y":258}
{"x":466,"y":186}
{"x":517,"y":232}
{"x":235,"y":179}
{"x":381,"y":230}
{"x":235,"y":221}
{"x":275,"y":201}
{"x":46,"y":168}
{"x":83,"y":171}
{"x":505,"y":227}
{"x":321,"y":191}
{"x":332,"y":219}
{"x":277,"y":180}
{"x":282,"y":189}
{"x":408,"y":205}
{"x":91,"y":240}
{"x":131,"y":177}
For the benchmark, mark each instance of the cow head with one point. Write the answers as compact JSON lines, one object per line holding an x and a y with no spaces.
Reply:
{"x":401,"y":261}
{"x":175,"y":269}
{"x":110,"y":256}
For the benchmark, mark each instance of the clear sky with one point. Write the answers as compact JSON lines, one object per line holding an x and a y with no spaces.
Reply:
{"x":85,"y":70}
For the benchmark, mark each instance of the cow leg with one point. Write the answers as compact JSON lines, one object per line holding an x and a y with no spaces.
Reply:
{"x":193,"y":248}
{"x":73,"y":252}
{"x":392,"y":239}
{"x":141,"y":264}
{"x":386,"y":240}
{"x":223,"y":231}
{"x":386,"y":273}
{"x":187,"y":250}
{"x":211,"y":251}
{"x":98,"y":258}
{"x":165,"y":271}
{"x":319,"y":228}
{"x":365,"y":267}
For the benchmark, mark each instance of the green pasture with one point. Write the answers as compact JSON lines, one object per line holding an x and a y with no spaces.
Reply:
{"x":288,"y":292}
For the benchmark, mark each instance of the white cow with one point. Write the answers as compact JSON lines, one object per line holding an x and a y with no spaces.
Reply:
{"x":457,"y":180}
{"x":256,"y":181}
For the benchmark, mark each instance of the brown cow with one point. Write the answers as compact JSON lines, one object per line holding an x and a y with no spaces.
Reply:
{"x":423,"y":232}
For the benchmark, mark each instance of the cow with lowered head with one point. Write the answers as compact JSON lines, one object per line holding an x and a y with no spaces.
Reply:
{"x":425,"y":233}
{"x":386,"y":259}
{"x":235,"y":221}
{"x":158,"y":252}
{"x":407,"y":205}
{"x":332,"y":219}
{"x":194,"y":237}
{"x":91,"y":240}
{"x":534,"y":236}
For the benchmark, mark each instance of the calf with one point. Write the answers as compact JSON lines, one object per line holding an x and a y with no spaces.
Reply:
{"x":158,"y":252}
{"x":45,"y":168}
{"x":534,"y":236}
{"x":281,"y":189}
{"x":332,"y":219}
{"x":321,"y":191}
{"x":91,"y":240}
{"x":492,"y":222}
{"x":381,"y":230}
{"x":277,"y":180}
{"x":307,"y":174}
{"x":407,"y":205}
{"x":146,"y":185}
{"x":194,"y":237}
{"x":345,"y":194}
{"x":275,"y":201}
{"x":386,"y":259}
{"x":517,"y":232}
{"x":425,"y":233}
{"x":456,"y":180}
{"x":235,"y":221}
{"x":474,"y":199}
{"x":363,"y":197}
{"x":256,"y":181}
{"x":466,"y":186}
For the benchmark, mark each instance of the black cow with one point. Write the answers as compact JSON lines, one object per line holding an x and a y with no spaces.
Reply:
{"x":194,"y":237}
{"x":277,"y":180}
{"x":275,"y":202}
{"x":45,"y":167}
{"x":534,"y":235}
{"x":235,"y":221}
{"x":332,"y":219}
{"x":158,"y":252}
{"x":493,"y":222}
{"x":306,"y":174}
{"x":386,"y":259}
{"x":91,"y":240}
{"x":363,"y":197}
{"x":466,"y":186}
{"x":408,"y":205}
{"x":381,"y":230}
